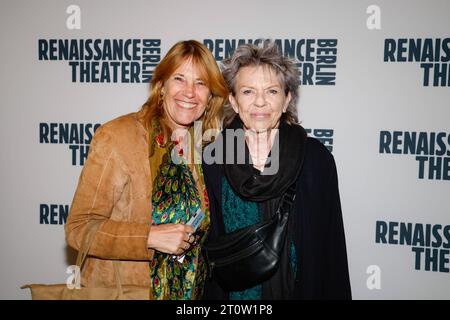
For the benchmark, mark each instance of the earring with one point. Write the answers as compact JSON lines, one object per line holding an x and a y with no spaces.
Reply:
{"x":160,"y":98}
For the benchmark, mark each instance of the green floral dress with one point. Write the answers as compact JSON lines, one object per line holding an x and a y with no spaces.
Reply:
{"x":176,"y":197}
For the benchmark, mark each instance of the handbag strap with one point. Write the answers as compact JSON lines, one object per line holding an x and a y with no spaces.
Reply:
{"x":116,"y":265}
{"x":287,"y":199}
{"x":88,"y":238}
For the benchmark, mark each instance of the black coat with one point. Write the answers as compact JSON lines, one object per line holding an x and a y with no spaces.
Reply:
{"x":320,"y":241}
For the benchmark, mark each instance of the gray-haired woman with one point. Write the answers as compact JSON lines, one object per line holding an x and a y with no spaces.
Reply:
{"x":277,"y":155}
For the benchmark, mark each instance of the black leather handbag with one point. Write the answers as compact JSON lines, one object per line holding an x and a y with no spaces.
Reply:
{"x":242,"y":259}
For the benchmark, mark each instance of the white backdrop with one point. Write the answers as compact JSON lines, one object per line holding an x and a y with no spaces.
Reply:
{"x":368,"y":96}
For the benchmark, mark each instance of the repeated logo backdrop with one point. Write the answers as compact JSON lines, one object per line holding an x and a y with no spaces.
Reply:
{"x":375,"y":91}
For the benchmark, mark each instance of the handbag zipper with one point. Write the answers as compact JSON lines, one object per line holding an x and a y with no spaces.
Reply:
{"x":239,"y":255}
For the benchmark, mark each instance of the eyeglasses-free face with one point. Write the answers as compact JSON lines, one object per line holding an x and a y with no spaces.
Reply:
{"x":260,"y":97}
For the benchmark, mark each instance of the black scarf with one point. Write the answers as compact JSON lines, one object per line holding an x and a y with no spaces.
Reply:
{"x":251,"y":185}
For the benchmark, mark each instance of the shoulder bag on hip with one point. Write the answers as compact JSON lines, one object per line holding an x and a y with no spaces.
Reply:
{"x":242,"y":259}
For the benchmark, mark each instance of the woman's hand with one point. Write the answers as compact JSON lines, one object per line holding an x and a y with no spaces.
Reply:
{"x":170,"y":238}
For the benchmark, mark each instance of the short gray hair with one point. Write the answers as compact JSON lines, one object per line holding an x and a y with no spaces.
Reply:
{"x":268,"y":55}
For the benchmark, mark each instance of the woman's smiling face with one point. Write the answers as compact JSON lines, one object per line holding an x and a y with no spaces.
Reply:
{"x":186,"y":95}
{"x":259,"y":98}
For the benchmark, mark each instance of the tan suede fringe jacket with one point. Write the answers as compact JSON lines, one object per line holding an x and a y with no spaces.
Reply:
{"x":115,"y":187}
